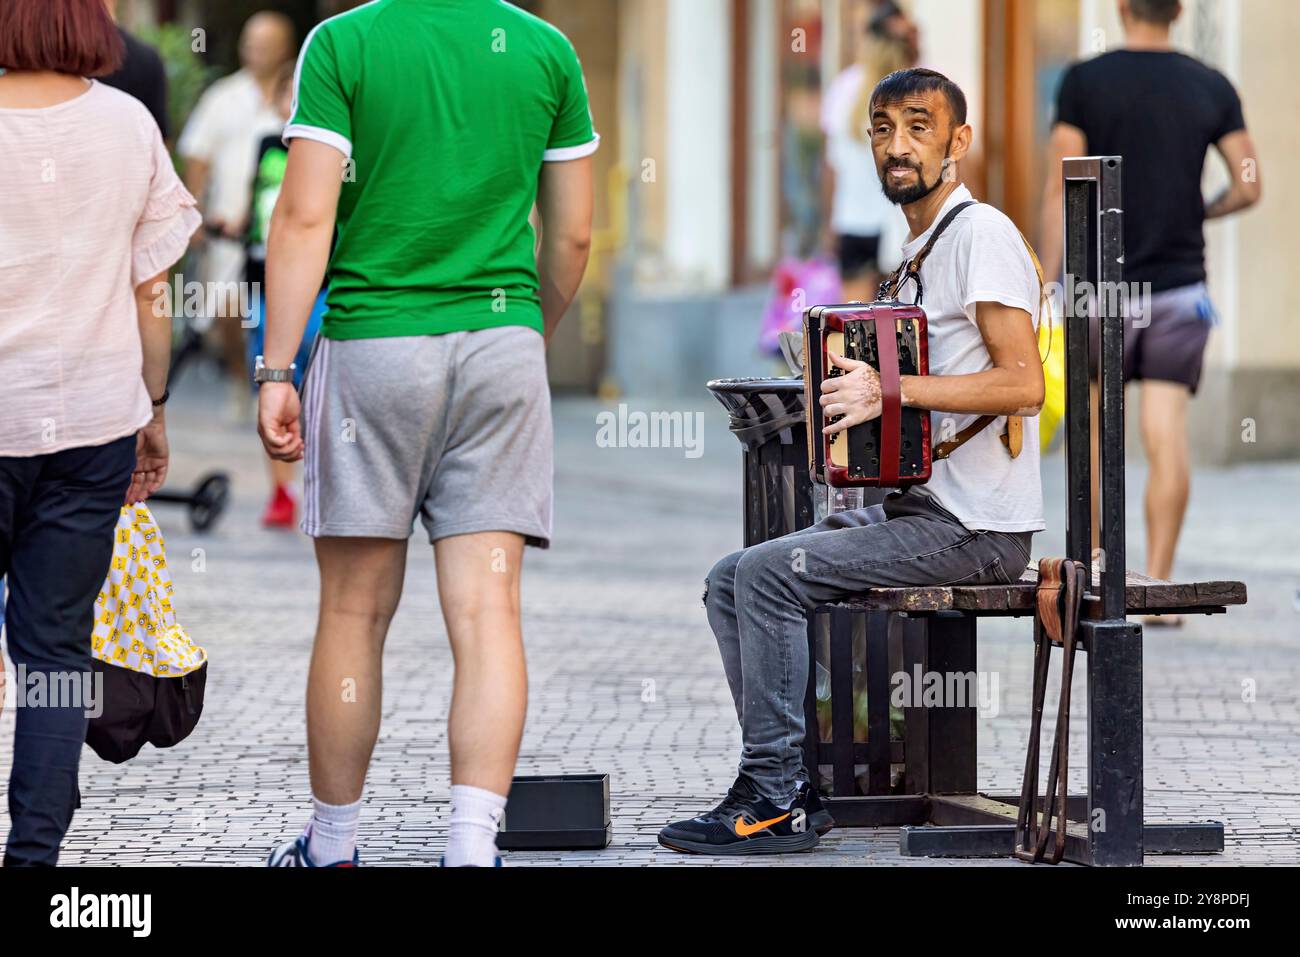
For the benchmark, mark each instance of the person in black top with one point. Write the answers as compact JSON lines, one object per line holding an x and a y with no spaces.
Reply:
{"x":1161,"y":111}
{"x":272,"y":161}
{"x":142,"y":75}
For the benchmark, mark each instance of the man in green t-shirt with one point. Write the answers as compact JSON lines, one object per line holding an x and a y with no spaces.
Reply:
{"x":423,"y":132}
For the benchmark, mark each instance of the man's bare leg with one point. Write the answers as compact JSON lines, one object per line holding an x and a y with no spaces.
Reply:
{"x":361,"y":582}
{"x":360,"y":585}
{"x":478,"y":586}
{"x":1164,"y":435}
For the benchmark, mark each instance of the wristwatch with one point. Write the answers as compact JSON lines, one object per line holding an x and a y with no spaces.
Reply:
{"x":262,"y":374}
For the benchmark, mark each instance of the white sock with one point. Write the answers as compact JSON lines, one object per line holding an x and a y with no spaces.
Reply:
{"x":472,"y":835}
{"x":332,"y":833}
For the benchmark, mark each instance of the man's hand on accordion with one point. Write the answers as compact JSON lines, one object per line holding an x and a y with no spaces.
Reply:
{"x":853,"y":396}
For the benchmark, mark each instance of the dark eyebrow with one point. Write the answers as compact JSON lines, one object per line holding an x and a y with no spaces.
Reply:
{"x":880,"y":113}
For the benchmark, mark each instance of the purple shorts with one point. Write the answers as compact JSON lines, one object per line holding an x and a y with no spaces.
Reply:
{"x":1164,"y":339}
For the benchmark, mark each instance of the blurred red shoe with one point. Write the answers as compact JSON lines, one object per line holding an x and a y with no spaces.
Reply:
{"x":281,"y":510}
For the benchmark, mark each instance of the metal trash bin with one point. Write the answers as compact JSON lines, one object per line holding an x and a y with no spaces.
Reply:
{"x":767,"y":416}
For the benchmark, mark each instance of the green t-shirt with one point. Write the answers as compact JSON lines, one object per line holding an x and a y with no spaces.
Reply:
{"x":446,"y":110}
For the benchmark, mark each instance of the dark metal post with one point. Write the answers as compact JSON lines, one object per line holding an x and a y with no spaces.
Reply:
{"x":1080,"y":204}
{"x":1094,"y":263}
{"x":1114,"y":562}
{"x":1094,"y":254}
{"x":1115,"y":774}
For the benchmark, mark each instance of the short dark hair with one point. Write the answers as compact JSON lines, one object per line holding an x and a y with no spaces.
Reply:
{"x":76,"y":37}
{"x":1155,"y":11}
{"x":910,"y":82}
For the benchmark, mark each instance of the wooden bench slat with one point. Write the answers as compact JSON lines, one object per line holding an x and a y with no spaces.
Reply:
{"x":1141,"y":593}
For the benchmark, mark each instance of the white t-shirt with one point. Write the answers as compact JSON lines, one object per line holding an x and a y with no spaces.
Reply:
{"x":858,"y":206}
{"x":225,"y":129}
{"x":979,"y":258}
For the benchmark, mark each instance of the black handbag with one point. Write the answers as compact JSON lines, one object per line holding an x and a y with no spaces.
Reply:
{"x":140,"y":709}
{"x":150,"y":677}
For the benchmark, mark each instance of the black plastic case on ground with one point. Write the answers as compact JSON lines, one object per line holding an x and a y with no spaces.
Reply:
{"x":564,"y":812}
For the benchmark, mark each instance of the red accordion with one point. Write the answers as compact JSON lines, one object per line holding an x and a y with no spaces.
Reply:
{"x":893,"y":450}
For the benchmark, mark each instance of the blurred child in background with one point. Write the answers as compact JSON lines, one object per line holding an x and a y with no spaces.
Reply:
{"x":272,"y":157}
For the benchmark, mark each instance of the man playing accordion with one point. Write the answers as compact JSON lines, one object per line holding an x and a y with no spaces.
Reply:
{"x":971,"y":523}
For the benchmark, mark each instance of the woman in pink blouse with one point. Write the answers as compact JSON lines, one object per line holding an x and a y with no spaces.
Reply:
{"x":92,"y":217}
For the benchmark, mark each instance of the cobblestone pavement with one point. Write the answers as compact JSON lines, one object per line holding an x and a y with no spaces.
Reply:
{"x":613,"y":612}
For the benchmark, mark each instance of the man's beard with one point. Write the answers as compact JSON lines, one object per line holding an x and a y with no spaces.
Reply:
{"x":901,"y":195}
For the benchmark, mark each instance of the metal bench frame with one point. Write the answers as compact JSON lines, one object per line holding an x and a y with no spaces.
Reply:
{"x":943,"y":814}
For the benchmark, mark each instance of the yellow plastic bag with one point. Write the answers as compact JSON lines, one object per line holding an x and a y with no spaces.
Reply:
{"x":1051,"y":349}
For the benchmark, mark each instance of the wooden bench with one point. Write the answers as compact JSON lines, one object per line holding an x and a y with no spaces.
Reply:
{"x":940,"y":810}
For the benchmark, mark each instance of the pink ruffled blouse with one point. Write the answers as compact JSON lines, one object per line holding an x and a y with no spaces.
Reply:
{"x":90,"y":207}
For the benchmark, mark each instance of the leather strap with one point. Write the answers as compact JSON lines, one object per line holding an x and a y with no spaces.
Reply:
{"x":945,"y":449}
{"x":919,"y":258}
{"x":1012,"y":438}
{"x":1061,"y":584}
{"x":911,"y":268}
{"x":891,"y":396}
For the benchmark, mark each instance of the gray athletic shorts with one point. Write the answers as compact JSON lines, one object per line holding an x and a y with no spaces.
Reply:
{"x":1169,"y":344}
{"x":454,"y":428}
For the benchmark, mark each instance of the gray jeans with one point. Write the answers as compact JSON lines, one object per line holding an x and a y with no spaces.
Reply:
{"x":758,"y":600}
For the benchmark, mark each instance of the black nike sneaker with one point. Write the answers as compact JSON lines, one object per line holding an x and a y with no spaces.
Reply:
{"x":818,"y":817}
{"x":745,"y":823}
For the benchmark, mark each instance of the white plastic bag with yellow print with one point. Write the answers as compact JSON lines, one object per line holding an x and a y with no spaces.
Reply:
{"x":135,"y":623}
{"x":152,"y":674}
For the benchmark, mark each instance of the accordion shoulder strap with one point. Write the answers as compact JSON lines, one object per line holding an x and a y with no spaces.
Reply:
{"x":911,"y":268}
{"x":924,"y":251}
{"x":1012,"y":438}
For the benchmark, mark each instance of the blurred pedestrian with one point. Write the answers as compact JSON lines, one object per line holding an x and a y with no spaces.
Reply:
{"x":1160,"y":110}
{"x":142,"y":75}
{"x":272,"y":158}
{"x":85,"y":340}
{"x":219,"y":149}
{"x":859,"y":219}
{"x":425,"y":132}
